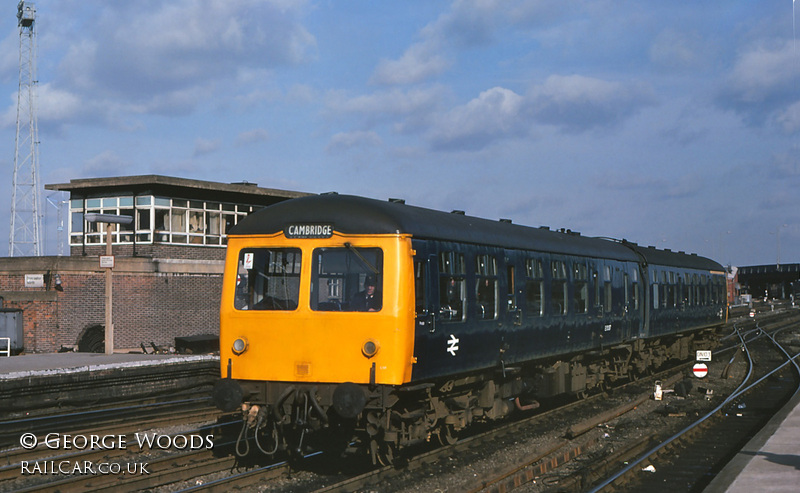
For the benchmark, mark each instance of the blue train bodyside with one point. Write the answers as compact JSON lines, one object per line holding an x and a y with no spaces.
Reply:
{"x":544,"y":294}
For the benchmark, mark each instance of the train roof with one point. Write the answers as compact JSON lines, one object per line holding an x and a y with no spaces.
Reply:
{"x":359,"y":215}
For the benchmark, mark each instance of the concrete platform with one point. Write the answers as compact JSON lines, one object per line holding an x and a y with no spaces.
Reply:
{"x":770,"y":461}
{"x":38,"y":383}
{"x":29,"y":365}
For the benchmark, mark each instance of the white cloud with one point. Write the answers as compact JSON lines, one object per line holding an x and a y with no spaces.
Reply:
{"x":495,"y":113}
{"x":140,"y":52}
{"x":206,"y":146}
{"x":789,"y":119}
{"x":678,"y":50}
{"x":577,"y":103}
{"x":252,"y":136}
{"x":419,"y":63}
{"x":107,"y":163}
{"x":407,"y":110}
{"x":347,"y":140}
{"x":467,"y":23}
{"x":762,"y":71}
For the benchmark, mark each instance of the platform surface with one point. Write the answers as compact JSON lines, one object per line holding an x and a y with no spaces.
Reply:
{"x":770,"y":461}
{"x":28,"y":365}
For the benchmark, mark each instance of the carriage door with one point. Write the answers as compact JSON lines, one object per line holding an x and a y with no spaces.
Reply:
{"x":645,"y":291}
{"x":424,"y":290}
{"x":627,"y":308}
{"x":513,"y":295}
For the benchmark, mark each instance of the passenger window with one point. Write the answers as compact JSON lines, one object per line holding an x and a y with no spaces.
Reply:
{"x":512,"y":288}
{"x":452,"y":283}
{"x":597,"y":298}
{"x":348,"y":279}
{"x":655,"y":296}
{"x":626,"y":282}
{"x":580,"y":301}
{"x":268,"y":279}
{"x":534,"y":288}
{"x":654,"y":280}
{"x":558,"y":288}
{"x":687,"y":290}
{"x":486,"y":286}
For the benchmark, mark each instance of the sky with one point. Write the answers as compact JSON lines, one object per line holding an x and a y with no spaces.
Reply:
{"x":668,"y":123}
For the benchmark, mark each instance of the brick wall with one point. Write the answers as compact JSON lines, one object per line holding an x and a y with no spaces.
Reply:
{"x":153,"y":301}
{"x":155,"y":251}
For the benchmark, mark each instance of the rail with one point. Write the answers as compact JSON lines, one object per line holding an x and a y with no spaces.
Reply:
{"x":7,"y":350}
{"x":741,"y":390}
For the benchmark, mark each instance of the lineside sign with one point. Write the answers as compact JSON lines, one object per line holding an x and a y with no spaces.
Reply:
{"x":703,"y":355}
{"x":700,"y":370}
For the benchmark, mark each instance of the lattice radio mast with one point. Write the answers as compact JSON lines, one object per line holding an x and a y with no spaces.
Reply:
{"x":25,"y":238}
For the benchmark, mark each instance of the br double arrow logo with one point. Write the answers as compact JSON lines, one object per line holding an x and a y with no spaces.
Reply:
{"x":452,"y":345}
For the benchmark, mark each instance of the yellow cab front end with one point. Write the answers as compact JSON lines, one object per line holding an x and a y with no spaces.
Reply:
{"x":310,"y":305}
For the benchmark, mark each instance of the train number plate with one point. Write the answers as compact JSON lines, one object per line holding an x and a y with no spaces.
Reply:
{"x":703,"y":355}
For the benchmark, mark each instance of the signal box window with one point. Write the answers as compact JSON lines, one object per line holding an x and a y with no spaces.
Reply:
{"x":347,"y":279}
{"x":268,"y":279}
{"x":452,"y":283}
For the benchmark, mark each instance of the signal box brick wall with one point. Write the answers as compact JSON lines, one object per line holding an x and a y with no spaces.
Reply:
{"x":154,"y":250}
{"x":154,"y":300}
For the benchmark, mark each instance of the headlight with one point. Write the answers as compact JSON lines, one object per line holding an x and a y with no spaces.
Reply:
{"x":370,"y":348}
{"x":240,"y":345}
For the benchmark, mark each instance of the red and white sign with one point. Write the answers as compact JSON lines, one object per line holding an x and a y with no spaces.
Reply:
{"x":700,"y":370}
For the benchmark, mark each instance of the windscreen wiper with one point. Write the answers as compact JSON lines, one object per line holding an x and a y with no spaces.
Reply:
{"x":361,"y":258}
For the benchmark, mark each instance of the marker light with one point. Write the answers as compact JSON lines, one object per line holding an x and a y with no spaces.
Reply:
{"x":370,"y":348}
{"x":240,"y":345}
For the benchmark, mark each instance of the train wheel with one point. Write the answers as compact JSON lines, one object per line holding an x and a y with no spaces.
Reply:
{"x":447,"y":435}
{"x":386,"y":454}
{"x":383,"y":454}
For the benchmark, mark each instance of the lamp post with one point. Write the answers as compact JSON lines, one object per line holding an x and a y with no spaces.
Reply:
{"x":108,"y":263}
{"x":778,"y":234}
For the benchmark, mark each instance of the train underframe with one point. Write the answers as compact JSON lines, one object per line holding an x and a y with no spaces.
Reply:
{"x":378,"y":421}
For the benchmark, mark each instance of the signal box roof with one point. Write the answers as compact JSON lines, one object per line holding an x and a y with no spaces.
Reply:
{"x":169,"y":186}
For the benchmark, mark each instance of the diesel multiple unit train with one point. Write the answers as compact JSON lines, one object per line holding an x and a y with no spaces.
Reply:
{"x":370,"y":326}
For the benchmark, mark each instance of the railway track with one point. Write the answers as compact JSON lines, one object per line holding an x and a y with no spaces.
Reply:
{"x":689,"y":460}
{"x":566,"y":449}
{"x":103,"y":444}
{"x":577,"y":420}
{"x":563,"y":464}
{"x":104,"y":420}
